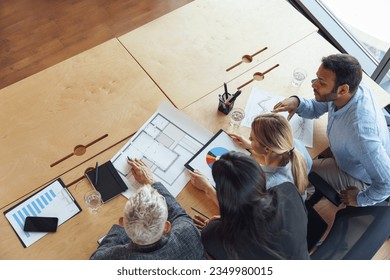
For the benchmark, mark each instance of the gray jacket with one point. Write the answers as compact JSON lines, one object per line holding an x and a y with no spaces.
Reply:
{"x":181,"y":243}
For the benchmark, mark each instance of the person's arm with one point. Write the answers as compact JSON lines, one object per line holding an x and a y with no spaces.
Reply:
{"x":241,"y":141}
{"x":115,"y":237}
{"x":174,"y":208}
{"x":305,"y":108}
{"x":311,"y":109}
{"x":199,"y":181}
{"x":143,"y":175}
{"x":376,"y":162}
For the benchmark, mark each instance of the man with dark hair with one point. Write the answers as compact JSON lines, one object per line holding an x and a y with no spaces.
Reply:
{"x":359,"y":167}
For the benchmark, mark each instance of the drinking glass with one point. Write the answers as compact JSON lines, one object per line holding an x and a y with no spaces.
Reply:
{"x":236,"y":116}
{"x":299,"y":75}
{"x":93,"y":199}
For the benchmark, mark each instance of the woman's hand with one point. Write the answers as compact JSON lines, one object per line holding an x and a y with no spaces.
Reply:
{"x":199,"y":181}
{"x":241,"y":141}
{"x":202,"y":222}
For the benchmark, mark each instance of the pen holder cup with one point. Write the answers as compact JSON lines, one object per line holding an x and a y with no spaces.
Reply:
{"x":224,"y":106}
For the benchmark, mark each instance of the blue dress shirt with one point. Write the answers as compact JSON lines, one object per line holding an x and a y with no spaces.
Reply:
{"x":359,"y":140}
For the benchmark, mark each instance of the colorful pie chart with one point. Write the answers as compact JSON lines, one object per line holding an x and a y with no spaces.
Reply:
{"x":214,"y":154}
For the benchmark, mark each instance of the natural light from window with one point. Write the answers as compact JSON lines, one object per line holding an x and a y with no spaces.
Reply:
{"x":367,"y":21}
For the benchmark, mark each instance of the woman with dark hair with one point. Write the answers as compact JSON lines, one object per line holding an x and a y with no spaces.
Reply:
{"x":254,"y":223}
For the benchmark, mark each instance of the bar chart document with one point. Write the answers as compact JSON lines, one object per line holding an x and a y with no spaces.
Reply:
{"x":164,"y":143}
{"x":54,"y":200}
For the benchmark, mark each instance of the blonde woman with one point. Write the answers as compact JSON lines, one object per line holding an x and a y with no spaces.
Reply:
{"x":283,"y":158}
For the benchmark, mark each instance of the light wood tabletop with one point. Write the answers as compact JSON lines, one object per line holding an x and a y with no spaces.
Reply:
{"x":76,"y":239}
{"x":102,"y":96}
{"x":306,"y":53}
{"x":188,"y":51}
{"x":64,"y":115}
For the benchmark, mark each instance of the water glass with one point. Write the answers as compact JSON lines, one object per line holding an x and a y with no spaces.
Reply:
{"x":236,"y":116}
{"x":93,"y":199}
{"x":299,"y":75}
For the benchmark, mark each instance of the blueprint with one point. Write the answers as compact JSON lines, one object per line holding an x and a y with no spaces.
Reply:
{"x":261,"y":102}
{"x":164,"y":143}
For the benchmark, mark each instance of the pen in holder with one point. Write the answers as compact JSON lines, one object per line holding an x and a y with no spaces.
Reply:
{"x":226,"y":101}
{"x":224,"y":105}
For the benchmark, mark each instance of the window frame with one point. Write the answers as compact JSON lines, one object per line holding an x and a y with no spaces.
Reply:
{"x":339,"y":36}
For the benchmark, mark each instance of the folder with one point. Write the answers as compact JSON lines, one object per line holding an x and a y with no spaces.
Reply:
{"x":109,"y":183}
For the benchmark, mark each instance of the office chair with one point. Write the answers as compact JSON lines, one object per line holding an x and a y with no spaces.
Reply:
{"x":316,"y":226}
{"x":357,"y":234}
{"x":322,"y":188}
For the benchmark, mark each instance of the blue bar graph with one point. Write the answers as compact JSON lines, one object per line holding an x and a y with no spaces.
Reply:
{"x":34,"y":208}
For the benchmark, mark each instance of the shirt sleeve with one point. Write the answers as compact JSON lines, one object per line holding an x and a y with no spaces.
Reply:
{"x":115,"y":237}
{"x":311,"y":109}
{"x":376,"y":162}
{"x":174,"y":209}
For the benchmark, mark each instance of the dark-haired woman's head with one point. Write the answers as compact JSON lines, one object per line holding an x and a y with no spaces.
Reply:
{"x":239,"y":182}
{"x":246,"y":207}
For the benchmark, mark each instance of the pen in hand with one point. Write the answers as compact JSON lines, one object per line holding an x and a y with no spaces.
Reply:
{"x":200,"y":213}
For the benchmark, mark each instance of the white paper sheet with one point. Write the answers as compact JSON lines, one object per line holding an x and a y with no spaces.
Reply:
{"x":165,"y":143}
{"x":261,"y":102}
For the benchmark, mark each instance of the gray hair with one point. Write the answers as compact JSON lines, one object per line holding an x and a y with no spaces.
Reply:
{"x":145,"y":215}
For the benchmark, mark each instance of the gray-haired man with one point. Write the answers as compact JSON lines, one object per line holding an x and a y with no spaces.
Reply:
{"x":154,"y":226}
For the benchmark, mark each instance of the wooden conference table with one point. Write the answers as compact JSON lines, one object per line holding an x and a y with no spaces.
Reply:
{"x":99,"y":92}
{"x":187,"y":51}
{"x":101,"y":95}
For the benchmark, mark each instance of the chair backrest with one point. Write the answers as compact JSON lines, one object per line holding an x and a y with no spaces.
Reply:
{"x":357,"y":234}
{"x":324,"y":188}
{"x":316,"y":226}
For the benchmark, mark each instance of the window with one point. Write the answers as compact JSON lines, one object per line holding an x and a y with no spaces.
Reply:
{"x":359,"y":28}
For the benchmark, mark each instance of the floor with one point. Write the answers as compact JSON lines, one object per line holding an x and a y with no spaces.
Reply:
{"x":37,"y":34}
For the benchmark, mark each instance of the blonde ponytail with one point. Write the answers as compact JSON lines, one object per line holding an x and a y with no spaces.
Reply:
{"x":299,"y":170}
{"x":274,"y":131}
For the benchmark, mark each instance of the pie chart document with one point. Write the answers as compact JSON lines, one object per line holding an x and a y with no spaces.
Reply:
{"x":220,"y":144}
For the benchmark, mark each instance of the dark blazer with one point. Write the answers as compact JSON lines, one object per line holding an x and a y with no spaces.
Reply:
{"x":181,"y":243}
{"x":288,"y":230}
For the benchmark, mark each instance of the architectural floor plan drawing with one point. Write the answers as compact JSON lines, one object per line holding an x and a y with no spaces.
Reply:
{"x":165,"y":143}
{"x":261,"y":102}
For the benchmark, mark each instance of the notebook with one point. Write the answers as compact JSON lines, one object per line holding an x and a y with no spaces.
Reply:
{"x":109,"y":183}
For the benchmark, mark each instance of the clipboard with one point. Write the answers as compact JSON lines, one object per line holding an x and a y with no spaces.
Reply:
{"x":109,"y":183}
{"x":54,"y":200}
{"x":221,"y":143}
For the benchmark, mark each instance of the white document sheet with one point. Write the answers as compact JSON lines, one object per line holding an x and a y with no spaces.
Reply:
{"x":165,"y":143}
{"x":261,"y":102}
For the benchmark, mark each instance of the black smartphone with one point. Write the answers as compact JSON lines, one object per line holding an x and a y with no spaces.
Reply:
{"x":41,"y":224}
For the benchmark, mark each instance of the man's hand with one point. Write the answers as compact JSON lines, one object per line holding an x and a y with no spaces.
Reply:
{"x":241,"y":141}
{"x":349,"y":196}
{"x":289,"y":105}
{"x":141,"y":172}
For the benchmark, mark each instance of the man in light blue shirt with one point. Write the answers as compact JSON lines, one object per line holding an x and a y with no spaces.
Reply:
{"x":358,"y":136}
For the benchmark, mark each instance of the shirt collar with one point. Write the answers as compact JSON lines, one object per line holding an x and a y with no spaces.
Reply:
{"x":148,"y":248}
